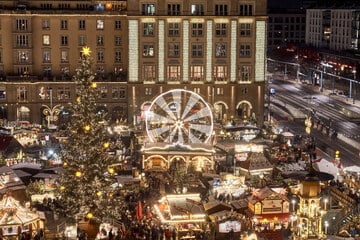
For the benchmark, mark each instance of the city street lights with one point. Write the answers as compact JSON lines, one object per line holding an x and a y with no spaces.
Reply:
{"x":325,"y":203}
{"x":51,"y":112}
{"x":326,"y":224}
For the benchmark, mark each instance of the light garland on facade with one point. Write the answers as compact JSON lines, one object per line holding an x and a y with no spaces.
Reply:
{"x":260,"y":51}
{"x":209,"y":49}
{"x":133,"y":50}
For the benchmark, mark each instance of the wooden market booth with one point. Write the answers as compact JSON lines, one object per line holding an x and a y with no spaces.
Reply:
{"x":16,"y":219}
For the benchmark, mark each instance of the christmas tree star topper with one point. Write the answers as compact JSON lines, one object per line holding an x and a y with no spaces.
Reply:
{"x":86,"y":51}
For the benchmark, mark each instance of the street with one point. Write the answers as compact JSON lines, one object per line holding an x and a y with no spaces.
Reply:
{"x":329,"y":114}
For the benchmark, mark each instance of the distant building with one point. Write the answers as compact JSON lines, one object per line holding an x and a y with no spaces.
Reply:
{"x":333,"y":28}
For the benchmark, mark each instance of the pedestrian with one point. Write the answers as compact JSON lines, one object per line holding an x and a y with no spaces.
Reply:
{"x":111,"y":236}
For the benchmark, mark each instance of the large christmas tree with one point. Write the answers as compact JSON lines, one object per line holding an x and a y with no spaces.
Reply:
{"x":85,"y":187}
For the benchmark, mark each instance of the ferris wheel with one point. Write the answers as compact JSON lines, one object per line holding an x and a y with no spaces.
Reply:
{"x":179,"y":116}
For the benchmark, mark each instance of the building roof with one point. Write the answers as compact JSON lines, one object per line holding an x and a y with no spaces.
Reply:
{"x":255,"y":161}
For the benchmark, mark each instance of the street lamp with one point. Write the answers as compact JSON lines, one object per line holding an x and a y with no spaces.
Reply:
{"x":326,"y":223}
{"x":51,"y":112}
{"x":325,"y":203}
{"x":293,"y":202}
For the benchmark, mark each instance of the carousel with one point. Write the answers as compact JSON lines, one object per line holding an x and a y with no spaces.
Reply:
{"x":16,"y":220}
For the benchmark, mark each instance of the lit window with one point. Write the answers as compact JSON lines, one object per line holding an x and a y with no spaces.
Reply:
{"x":46,"y":39}
{"x":99,"y":24}
{"x":148,"y":50}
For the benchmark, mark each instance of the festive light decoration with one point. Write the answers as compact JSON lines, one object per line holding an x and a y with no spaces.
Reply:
{"x":98,"y":194}
{"x":111,"y":170}
{"x":89,"y":215}
{"x":106,"y":145}
{"x":87,"y":128}
{"x":65,"y":164}
{"x":78,"y":174}
{"x":62,"y":188}
{"x":78,"y":99}
{"x":94,"y":85}
{"x":86,"y":51}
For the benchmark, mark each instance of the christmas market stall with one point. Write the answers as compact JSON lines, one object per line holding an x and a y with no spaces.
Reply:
{"x":16,"y":220}
{"x":183,"y":211}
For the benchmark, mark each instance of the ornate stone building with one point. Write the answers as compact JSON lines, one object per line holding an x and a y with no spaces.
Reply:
{"x":140,"y":49}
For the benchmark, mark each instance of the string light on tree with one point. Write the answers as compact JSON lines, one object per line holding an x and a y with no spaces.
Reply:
{"x":88,"y":170}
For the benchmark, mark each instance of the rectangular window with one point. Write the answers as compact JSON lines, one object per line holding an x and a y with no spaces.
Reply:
{"x":148,"y":29}
{"x":22,"y":24}
{"x":2,"y":93}
{"x":64,"y":40}
{"x":173,"y":73}
{"x":245,"y":29}
{"x":197,"y":29}
{"x":82,"y":40}
{"x":221,"y":10}
{"x":63,"y":93}
{"x":219,"y":91}
{"x":148,"y":9}
{"x":46,"y":24}
{"x":148,"y":91}
{"x":100,"y":55}
{"x":148,"y":50}
{"x":23,"y":56}
{"x":220,"y":73}
{"x":196,"y":73}
{"x":174,"y":29}
{"x":22,"y":94}
{"x":197,"y":9}
{"x":220,"y":50}
{"x":82,"y":24}
{"x":100,"y":40}
{"x":117,"y":56}
{"x":117,"y":24}
{"x":148,"y":72}
{"x":245,"y":50}
{"x":63,"y":24}
{"x":22,"y":40}
{"x":174,"y":9}
{"x":196,"y":50}
{"x":46,"y":40}
{"x":174,"y":50}
{"x":46,"y":55}
{"x":103,"y":91}
{"x":118,"y":93}
{"x":23,"y":70}
{"x":100,"y":24}
{"x":117,"y":40}
{"x":220,"y":29}
{"x":244,"y":73}
{"x":64,"y":55}
{"x":246,"y":10}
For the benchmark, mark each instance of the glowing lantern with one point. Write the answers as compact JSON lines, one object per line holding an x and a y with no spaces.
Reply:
{"x":62,"y":188}
{"x":78,"y":174}
{"x":98,"y":194}
{"x":93,"y":85}
{"x":78,"y":99}
{"x":106,"y":145}
{"x":89,"y":215}
{"x":111,"y":170}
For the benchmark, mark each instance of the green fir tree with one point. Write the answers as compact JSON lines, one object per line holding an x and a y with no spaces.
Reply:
{"x":85,"y":188}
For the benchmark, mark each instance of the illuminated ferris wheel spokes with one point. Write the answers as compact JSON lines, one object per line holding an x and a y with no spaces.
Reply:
{"x":179,"y":116}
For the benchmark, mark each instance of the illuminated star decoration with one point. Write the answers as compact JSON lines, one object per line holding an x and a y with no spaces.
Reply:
{"x":86,"y":51}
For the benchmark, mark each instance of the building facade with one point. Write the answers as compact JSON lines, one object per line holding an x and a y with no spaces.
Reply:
{"x":140,"y":49}
{"x":333,"y":28}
